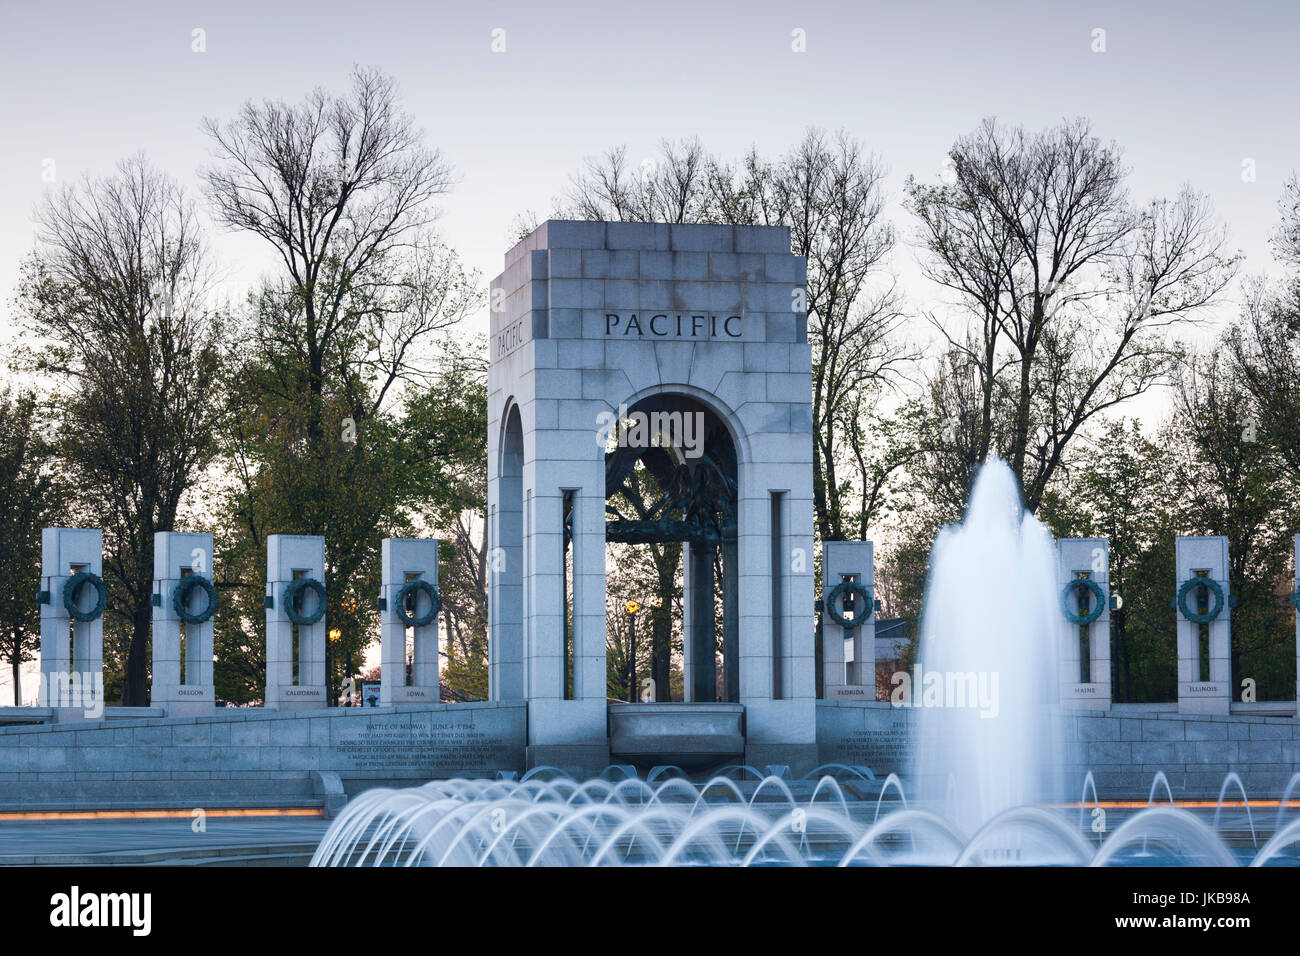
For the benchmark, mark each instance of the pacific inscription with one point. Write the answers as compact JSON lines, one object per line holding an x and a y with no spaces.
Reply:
{"x":701,"y":325}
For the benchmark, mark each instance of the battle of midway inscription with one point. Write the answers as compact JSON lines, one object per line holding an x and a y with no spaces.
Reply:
{"x":448,"y":743}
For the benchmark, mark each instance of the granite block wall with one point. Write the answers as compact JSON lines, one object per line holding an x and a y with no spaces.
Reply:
{"x":1123,"y":749}
{"x":250,"y":755}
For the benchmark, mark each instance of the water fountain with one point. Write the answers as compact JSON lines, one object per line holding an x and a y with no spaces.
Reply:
{"x":987,"y":775}
{"x":989,"y":610}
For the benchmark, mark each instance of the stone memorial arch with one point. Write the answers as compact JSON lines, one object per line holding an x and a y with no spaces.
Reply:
{"x":679,"y":350}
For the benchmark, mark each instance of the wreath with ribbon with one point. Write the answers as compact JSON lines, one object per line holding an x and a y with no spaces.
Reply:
{"x":412,"y":589}
{"x":1098,"y":601}
{"x":293,"y":600}
{"x":1185,"y":591}
{"x":72,"y":587}
{"x":859,"y":593}
{"x":181,"y":596}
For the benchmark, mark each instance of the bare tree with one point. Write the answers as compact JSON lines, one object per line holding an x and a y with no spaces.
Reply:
{"x":1265,"y":342}
{"x":1065,"y":291}
{"x":1286,"y":243}
{"x":115,"y":298}
{"x":671,"y":187}
{"x":337,"y":185}
{"x":830,"y":193}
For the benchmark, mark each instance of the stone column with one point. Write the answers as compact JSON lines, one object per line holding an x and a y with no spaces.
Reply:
{"x":563,"y":730}
{"x":289,"y":557}
{"x":71,"y":681}
{"x":1196,"y":696}
{"x":843,"y":561}
{"x":731,"y":621}
{"x":1087,"y":558}
{"x":775,"y":547}
{"x":702,"y":637}
{"x":588,"y":546}
{"x":176,"y":556}
{"x":688,"y":623}
{"x":403,"y":560}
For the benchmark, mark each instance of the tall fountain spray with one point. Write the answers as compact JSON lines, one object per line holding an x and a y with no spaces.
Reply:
{"x":989,"y":631}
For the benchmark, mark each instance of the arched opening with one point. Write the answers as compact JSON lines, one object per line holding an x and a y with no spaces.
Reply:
{"x":671,"y":481}
{"x":507,"y":562}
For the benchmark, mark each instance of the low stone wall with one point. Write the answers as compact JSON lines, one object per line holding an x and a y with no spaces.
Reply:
{"x":250,"y":757}
{"x":247,"y":757}
{"x":1123,"y":749}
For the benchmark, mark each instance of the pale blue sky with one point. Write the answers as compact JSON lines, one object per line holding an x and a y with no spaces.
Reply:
{"x":1188,"y":89}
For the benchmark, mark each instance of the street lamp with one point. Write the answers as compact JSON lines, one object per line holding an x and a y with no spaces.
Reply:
{"x":632,"y":607}
{"x":336,"y":635}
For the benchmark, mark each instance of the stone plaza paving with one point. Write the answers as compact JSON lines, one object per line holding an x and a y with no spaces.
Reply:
{"x":231,"y":841}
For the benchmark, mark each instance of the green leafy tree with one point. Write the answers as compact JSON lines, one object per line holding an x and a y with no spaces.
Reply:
{"x":1232,"y":480}
{"x":1120,"y":491}
{"x":30,"y":500}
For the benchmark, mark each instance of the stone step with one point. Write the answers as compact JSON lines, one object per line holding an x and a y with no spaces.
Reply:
{"x":206,"y":803}
{"x":239,"y":854}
